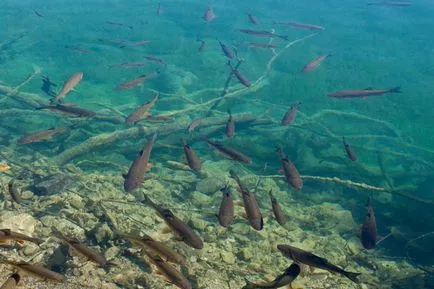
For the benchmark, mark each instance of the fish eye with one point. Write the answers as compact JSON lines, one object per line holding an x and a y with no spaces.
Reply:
{"x":168,"y":214}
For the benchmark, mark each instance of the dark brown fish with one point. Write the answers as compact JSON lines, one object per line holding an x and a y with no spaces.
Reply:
{"x":40,"y":136}
{"x":363,"y":92}
{"x":78,"y":49}
{"x":229,"y":152}
{"x":14,"y":192}
{"x":80,"y":248}
{"x":179,"y":227}
{"x":289,"y":116}
{"x":253,"y":19}
{"x":262,"y":45}
{"x":195,"y":123}
{"x":350,"y":152}
{"x":226,"y":211}
{"x":368,"y":231}
{"x":11,"y":282}
{"x":119,"y":24}
{"x":154,"y":59}
{"x":301,"y":25}
{"x":135,"y":44}
{"x":143,"y":110}
{"x":307,"y":258}
{"x":38,"y":14}
{"x":290,"y":171}
{"x":39,"y":271}
{"x":171,"y":273}
{"x":192,"y":160}
{"x":277,"y":211}
{"x":230,"y":126}
{"x":7,"y":234}
{"x":241,"y":78}
{"x":290,"y":274}
{"x":229,"y":52}
{"x":156,"y":247}
{"x":135,"y":82}
{"x":263,"y":33}
{"x":209,"y":14}
{"x":311,"y":66}
{"x":250,"y":204}
{"x":136,"y":174}
{"x":128,"y":64}
{"x":70,"y":110}
{"x":202,"y":46}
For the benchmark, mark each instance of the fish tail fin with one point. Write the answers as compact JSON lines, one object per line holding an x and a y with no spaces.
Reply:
{"x":249,"y":285}
{"x":230,"y":113}
{"x":396,"y":89}
{"x":183,"y":141}
{"x":355,"y":277}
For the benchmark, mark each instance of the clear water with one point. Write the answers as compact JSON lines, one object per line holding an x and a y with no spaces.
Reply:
{"x":371,"y":46}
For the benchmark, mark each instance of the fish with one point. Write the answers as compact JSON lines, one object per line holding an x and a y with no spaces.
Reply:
{"x":241,"y":78}
{"x":350,"y":152}
{"x":76,"y":48}
{"x":179,"y":227}
{"x":397,"y":4}
{"x":119,"y":24}
{"x":171,"y":273}
{"x":139,"y":113}
{"x":128,"y":64}
{"x":363,"y":92}
{"x":136,"y":81}
{"x":300,"y":25}
{"x":4,"y":167}
{"x":230,"y":126}
{"x":226,"y":211}
{"x":277,"y":211}
{"x":68,"y":109}
{"x":229,"y":152}
{"x":156,"y":247}
{"x":209,"y":14}
{"x":47,"y":86}
{"x":253,"y":19}
{"x":80,"y":248}
{"x":250,"y":204}
{"x":136,"y":174}
{"x":68,"y":86}
{"x":11,"y":282}
{"x":289,"y":116}
{"x":192,"y":160}
{"x":7,"y":234}
{"x":311,"y":66}
{"x":154,"y":59}
{"x":41,"y":136}
{"x":38,"y":14}
{"x":368,"y":230}
{"x":160,"y":9}
{"x":194,"y":124}
{"x":310,"y":259}
{"x":40,"y":271}
{"x":290,"y":171}
{"x":135,"y":44}
{"x":14,"y":192}
{"x":227,"y":51}
{"x":284,"y":279}
{"x":202,"y":46}
{"x":263,"y":33}
{"x":261,"y":45}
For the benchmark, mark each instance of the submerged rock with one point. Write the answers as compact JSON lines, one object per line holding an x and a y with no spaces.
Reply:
{"x":52,"y":184}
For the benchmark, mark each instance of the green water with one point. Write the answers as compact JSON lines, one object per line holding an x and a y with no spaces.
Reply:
{"x":371,"y":46}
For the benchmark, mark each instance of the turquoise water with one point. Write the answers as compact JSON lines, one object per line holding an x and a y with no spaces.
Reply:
{"x":371,"y":46}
